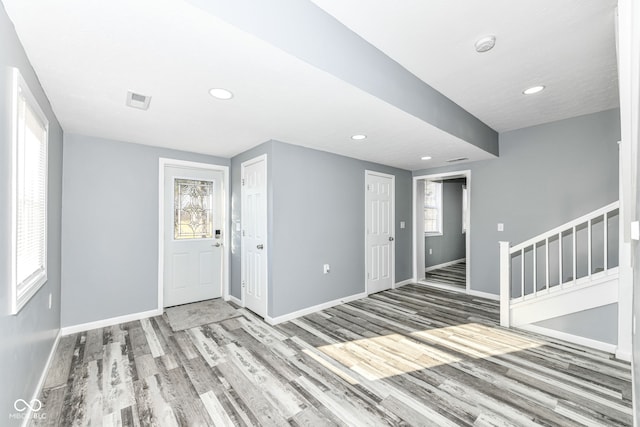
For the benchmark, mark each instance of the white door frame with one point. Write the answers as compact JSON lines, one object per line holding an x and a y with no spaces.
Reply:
{"x":393,"y":229}
{"x":437,"y":176}
{"x":163,"y":162}
{"x":262,"y":157}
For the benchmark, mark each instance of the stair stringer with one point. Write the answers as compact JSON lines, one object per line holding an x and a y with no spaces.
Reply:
{"x":561,"y":302}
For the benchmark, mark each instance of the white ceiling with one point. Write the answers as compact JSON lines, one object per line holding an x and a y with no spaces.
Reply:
{"x":88,"y":53}
{"x":566,"y":45}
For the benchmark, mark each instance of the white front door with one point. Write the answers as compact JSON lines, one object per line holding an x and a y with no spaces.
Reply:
{"x":380,"y":245}
{"x":254,"y":235}
{"x":193,"y":227}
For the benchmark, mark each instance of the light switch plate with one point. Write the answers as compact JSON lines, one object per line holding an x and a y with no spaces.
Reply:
{"x":635,"y":230}
{"x":500,"y":226}
{"x":401,"y":224}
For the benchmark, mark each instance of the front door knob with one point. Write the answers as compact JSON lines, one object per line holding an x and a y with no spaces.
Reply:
{"x":260,"y":246}
{"x":390,"y":239}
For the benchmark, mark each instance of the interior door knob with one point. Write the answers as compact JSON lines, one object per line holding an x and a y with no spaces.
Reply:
{"x":260,"y":246}
{"x":217,"y":245}
{"x":390,"y":239}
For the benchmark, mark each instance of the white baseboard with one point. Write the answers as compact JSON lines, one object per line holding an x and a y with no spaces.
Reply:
{"x":68,"y":330}
{"x":313,"y":309}
{"x":443,"y":286}
{"x":444,"y":264}
{"x":235,"y":300}
{"x":42,"y":379}
{"x":404,"y":282}
{"x":481,"y":294}
{"x":575,"y":339}
{"x":623,"y":355}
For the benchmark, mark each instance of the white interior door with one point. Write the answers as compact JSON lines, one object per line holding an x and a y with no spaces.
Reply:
{"x":193,"y":228}
{"x":380,"y":244}
{"x":254,"y":235}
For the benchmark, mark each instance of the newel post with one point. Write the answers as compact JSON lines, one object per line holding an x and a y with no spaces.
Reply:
{"x":505,"y":283}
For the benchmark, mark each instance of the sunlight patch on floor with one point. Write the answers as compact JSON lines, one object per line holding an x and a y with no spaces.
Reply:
{"x":396,"y":354}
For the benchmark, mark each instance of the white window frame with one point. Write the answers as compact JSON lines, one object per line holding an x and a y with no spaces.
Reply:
{"x":21,"y":293}
{"x":437,"y":206}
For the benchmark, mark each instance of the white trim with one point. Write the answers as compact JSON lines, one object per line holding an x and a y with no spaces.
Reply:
{"x":234,"y":300}
{"x":485,"y":295}
{"x":68,"y":330}
{"x":623,"y":355}
{"x":243,"y":165}
{"x":452,"y":288}
{"x":43,"y":377}
{"x":444,"y":264}
{"x":404,"y":282}
{"x":368,"y":173}
{"x":445,"y":175}
{"x":313,"y":309}
{"x":226,"y":206}
{"x":575,"y":339}
{"x":562,"y":303}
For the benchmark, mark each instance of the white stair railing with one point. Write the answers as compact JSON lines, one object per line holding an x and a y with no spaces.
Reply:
{"x":559,"y":259}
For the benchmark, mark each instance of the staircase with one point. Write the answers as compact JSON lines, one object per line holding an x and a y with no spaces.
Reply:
{"x":569,"y":269}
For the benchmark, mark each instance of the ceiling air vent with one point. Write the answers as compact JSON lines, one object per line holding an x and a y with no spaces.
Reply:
{"x":137,"y":100}
{"x":459,"y":159}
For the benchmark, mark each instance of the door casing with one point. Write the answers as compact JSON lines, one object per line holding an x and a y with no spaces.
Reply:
{"x":163,"y":162}
{"x":261,"y":158}
{"x":446,"y":175}
{"x":392,"y":228}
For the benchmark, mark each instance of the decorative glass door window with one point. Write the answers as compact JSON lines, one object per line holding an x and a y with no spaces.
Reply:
{"x":193,"y":207}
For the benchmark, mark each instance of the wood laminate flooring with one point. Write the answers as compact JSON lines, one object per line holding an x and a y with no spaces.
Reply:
{"x":453,"y":275}
{"x":411,"y":356}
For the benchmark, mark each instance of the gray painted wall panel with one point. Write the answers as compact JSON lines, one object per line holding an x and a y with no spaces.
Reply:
{"x":599,"y":323}
{"x":451,"y":245}
{"x":27,"y":338}
{"x":110,"y":226}
{"x":546,"y":175}
{"x":319,"y":218}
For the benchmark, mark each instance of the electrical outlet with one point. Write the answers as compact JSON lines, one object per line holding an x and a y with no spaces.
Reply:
{"x":326,"y":268}
{"x":50,"y":298}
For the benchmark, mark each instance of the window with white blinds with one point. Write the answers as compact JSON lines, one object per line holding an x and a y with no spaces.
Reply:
{"x":29,"y":210}
{"x":433,"y":208}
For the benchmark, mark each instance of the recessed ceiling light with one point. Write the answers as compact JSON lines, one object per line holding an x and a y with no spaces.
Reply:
{"x":220,"y":93}
{"x":532,"y":90}
{"x":485,"y":44}
{"x":358,"y":137}
{"x":425,"y":158}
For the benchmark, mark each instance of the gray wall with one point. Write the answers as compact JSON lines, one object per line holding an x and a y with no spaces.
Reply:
{"x":110,"y":226}
{"x":545,"y":176}
{"x":600,"y":323}
{"x":27,"y":338}
{"x":317,"y":217}
{"x":451,"y":245}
